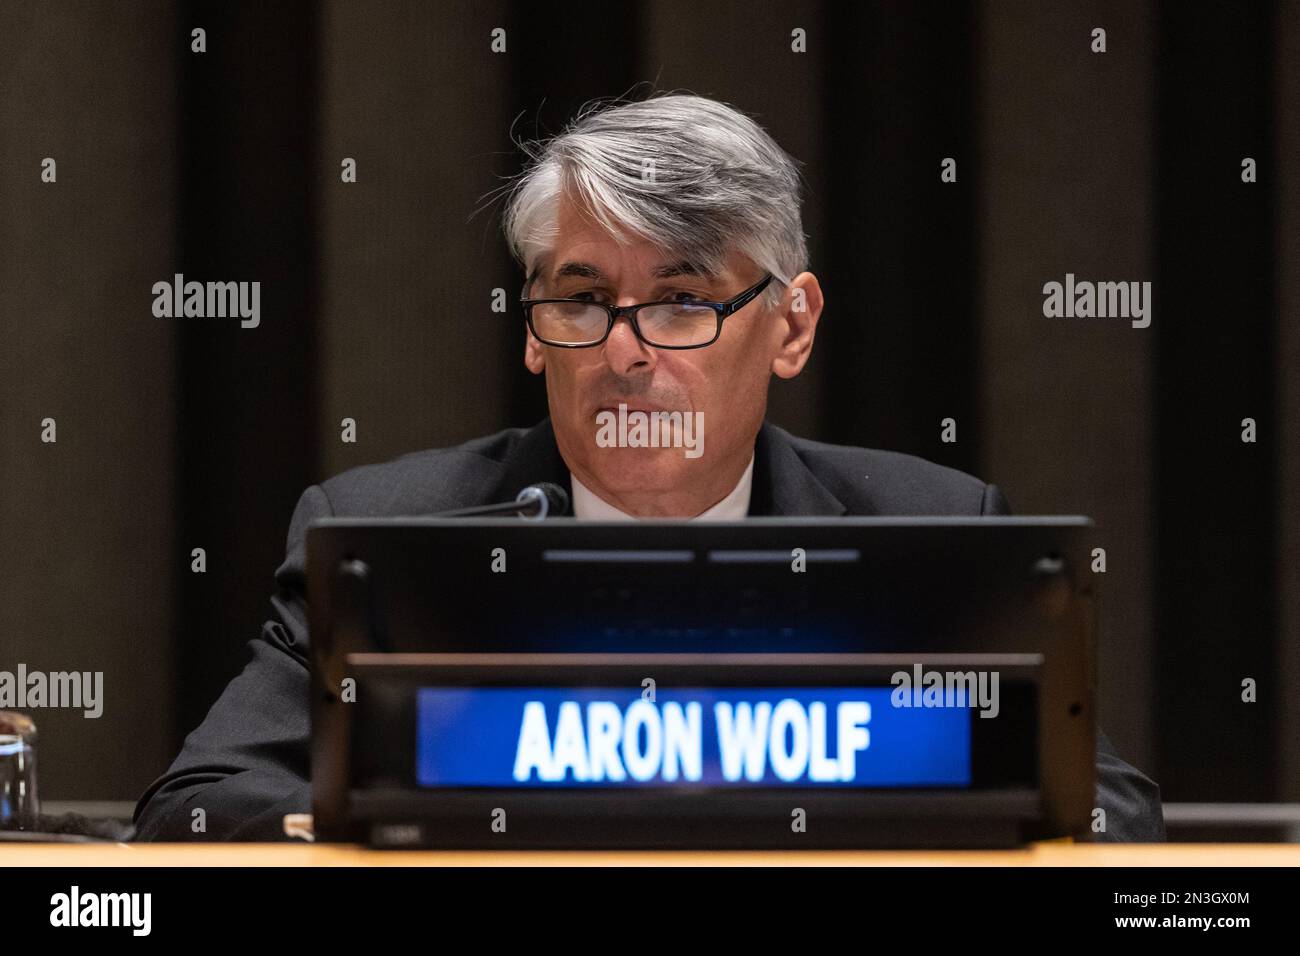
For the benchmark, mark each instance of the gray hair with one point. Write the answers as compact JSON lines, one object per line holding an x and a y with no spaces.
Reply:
{"x":687,"y":173}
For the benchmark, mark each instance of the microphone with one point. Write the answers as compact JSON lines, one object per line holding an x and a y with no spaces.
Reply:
{"x":533,"y":504}
{"x":544,"y":498}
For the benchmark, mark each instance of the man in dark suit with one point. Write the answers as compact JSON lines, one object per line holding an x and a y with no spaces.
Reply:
{"x":666,"y":284}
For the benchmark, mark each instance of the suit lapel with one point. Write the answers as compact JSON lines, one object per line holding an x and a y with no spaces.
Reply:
{"x":783,"y":484}
{"x":534,"y":458}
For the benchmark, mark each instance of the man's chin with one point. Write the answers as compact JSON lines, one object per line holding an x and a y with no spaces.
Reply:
{"x":632,"y":470}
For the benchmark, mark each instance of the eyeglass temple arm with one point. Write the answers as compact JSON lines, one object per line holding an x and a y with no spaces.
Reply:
{"x":747,"y":297}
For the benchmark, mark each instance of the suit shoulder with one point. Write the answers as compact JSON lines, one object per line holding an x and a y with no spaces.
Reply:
{"x":873,"y":481}
{"x":420,"y":482}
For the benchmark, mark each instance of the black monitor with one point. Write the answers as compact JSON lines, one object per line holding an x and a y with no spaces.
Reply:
{"x":775,"y":682}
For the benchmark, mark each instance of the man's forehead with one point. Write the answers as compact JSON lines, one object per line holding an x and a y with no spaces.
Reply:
{"x":580,"y":239}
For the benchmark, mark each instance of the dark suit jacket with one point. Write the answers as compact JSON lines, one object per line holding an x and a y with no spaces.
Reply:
{"x":247,"y":764}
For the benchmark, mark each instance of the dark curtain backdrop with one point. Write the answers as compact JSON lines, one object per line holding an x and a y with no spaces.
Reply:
{"x":376,"y":302}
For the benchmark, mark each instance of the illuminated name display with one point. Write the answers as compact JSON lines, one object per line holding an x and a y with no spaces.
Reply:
{"x":614,"y":737}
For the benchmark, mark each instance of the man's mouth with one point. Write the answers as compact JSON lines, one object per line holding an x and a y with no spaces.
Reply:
{"x":638,"y":407}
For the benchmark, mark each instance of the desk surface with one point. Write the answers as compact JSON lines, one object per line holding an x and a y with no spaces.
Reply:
{"x":270,"y":854}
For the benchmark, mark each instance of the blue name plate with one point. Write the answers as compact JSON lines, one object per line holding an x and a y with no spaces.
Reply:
{"x":612,"y":737}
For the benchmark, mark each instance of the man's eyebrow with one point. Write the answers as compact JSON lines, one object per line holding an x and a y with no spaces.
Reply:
{"x":583,"y":270}
{"x":683,"y":268}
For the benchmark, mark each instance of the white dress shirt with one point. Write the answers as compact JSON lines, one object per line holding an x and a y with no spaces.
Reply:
{"x":589,"y":506}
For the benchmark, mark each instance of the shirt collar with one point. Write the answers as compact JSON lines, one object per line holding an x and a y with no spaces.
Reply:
{"x":589,"y":506}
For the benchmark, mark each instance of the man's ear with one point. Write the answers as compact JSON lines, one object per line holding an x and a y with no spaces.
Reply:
{"x":534,"y":354}
{"x":798,"y":313}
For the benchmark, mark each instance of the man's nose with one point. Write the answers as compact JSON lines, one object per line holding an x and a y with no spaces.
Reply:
{"x":624,"y":352}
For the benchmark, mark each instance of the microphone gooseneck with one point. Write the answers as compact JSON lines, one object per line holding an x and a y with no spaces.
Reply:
{"x":534,"y":503}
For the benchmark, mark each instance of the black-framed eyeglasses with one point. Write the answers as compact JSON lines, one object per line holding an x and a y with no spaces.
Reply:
{"x":582,"y":323}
